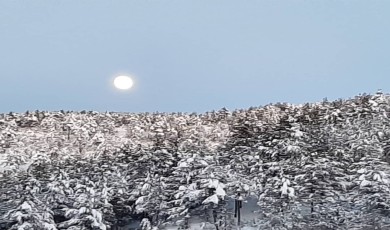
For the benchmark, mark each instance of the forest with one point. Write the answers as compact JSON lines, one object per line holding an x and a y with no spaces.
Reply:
{"x":321,"y":165}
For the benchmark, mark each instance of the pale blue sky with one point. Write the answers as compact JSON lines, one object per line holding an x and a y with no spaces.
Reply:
{"x":189,"y":56}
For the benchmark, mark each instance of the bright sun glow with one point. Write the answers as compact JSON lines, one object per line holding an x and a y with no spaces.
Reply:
{"x":123,"y":82}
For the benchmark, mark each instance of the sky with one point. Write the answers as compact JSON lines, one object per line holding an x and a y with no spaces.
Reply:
{"x":189,"y":56}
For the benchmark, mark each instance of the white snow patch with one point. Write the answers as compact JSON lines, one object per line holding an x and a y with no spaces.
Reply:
{"x":211,"y":199}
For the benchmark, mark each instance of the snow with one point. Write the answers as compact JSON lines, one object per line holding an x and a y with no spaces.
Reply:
{"x":361,"y":171}
{"x":333,"y":155}
{"x":183,"y":165}
{"x":202,"y":226}
{"x":83,"y":210}
{"x":27,"y":207}
{"x":365,"y":183}
{"x":373,"y":103}
{"x":377,"y":177}
{"x":203,"y":162}
{"x":220,"y":191}
{"x":212,"y":199}
{"x":194,"y":195}
{"x":145,"y":188}
{"x":291,"y":192}
{"x":213,"y":183}
{"x":284,"y":189}
{"x":48,"y":226}
{"x":140,"y":200}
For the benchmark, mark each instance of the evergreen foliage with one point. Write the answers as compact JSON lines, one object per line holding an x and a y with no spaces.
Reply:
{"x":313,"y":166}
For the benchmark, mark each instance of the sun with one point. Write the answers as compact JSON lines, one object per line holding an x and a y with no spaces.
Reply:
{"x":123,"y":82}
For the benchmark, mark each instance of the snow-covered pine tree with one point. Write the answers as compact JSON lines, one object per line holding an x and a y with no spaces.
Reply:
{"x":30,"y":215}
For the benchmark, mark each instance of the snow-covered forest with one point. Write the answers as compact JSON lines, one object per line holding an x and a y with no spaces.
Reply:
{"x":313,"y":166}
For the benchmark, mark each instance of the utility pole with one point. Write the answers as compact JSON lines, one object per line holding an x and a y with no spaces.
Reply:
{"x":237,"y":208}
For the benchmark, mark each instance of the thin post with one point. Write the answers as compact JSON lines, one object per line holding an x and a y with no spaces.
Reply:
{"x":239,"y":204}
{"x":237,"y":208}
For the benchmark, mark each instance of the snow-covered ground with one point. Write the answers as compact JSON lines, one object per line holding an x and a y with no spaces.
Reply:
{"x":199,"y":226}
{"x":248,"y":215}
